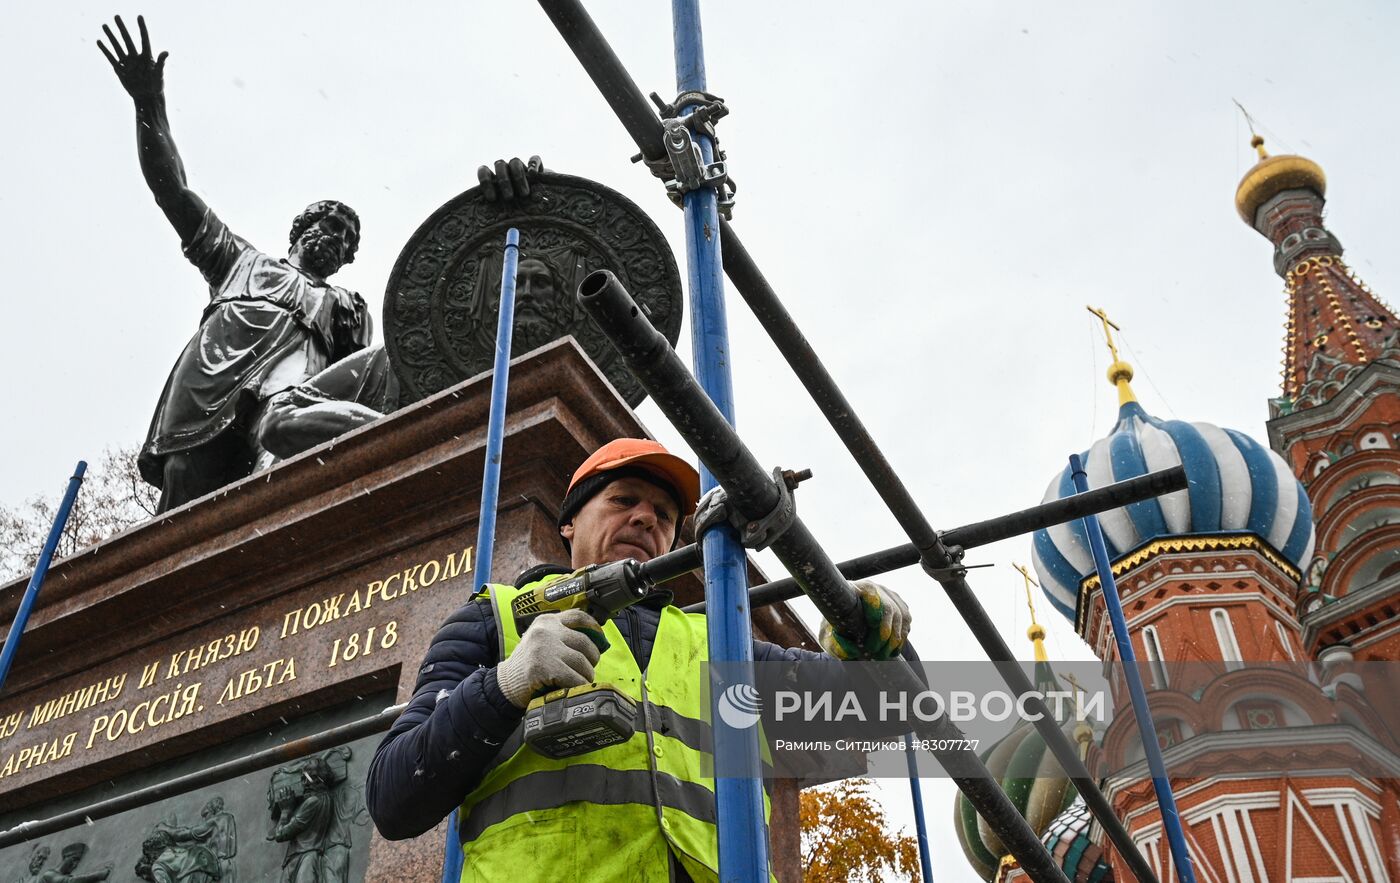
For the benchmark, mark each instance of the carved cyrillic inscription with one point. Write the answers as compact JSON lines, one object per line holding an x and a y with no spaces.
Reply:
{"x":148,"y":713}
{"x":395,"y":585}
{"x":77,"y":700}
{"x":104,"y":711}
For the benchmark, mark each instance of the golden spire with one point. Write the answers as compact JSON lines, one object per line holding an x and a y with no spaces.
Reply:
{"x":1257,"y":142}
{"x":1037,"y":631}
{"x":1120,"y":372}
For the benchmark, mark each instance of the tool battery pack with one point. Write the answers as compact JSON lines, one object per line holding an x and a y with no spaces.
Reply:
{"x":576,"y":720}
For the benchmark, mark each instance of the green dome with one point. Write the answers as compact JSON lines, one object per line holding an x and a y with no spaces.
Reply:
{"x":1025,"y":767}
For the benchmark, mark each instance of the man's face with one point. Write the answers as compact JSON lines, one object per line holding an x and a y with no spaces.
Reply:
{"x":535,"y":288}
{"x":630,"y":518}
{"x":69,"y":864}
{"x":325,"y":244}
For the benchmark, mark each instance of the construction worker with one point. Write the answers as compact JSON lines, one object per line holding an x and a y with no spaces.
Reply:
{"x":639,"y":810}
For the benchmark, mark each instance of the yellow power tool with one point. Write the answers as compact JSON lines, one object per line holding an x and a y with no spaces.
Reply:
{"x":562,"y":723}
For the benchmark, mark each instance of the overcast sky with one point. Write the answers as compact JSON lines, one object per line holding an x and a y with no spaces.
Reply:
{"x":935,"y":189}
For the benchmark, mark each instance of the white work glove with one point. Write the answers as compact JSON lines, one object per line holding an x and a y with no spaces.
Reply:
{"x":553,"y":654}
{"x":887,"y":625}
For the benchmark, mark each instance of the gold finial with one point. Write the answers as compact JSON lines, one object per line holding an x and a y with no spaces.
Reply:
{"x":1036,"y":632}
{"x":1271,"y":175}
{"x":1083,"y":731}
{"x":1084,"y":735}
{"x":1120,"y":372}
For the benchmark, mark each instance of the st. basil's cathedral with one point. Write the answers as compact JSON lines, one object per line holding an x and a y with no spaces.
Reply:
{"x":1262,"y":603}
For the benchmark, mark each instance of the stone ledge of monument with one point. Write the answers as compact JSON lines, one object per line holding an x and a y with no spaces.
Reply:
{"x":404,"y":460}
{"x":101,"y":595}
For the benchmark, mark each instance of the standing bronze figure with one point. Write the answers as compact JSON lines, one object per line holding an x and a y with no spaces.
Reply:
{"x":270,"y":323}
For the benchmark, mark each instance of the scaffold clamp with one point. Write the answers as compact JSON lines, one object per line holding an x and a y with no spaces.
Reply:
{"x":954,"y":569}
{"x":714,"y":509}
{"x":683,"y":167}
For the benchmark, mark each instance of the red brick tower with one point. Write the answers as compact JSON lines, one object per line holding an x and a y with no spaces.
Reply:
{"x":1337,"y":422}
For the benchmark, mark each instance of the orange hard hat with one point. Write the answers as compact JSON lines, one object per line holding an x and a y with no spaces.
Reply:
{"x":632,"y":455}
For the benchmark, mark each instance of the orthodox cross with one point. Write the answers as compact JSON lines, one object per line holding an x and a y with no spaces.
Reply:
{"x":1078,"y":688}
{"x":1030,"y":581}
{"x":1108,"y":328}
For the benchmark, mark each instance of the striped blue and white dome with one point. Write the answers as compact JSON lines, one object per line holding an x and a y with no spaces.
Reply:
{"x":1236,"y":486}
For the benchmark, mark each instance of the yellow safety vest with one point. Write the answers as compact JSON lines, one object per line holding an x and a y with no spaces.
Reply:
{"x":615,"y":813}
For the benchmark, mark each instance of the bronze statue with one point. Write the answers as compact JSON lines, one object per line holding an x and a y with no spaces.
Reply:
{"x":314,"y":809}
{"x":349,"y":812}
{"x":73,"y":854}
{"x":443,"y":297}
{"x":302,"y":808}
{"x":216,"y":833}
{"x":358,"y":389}
{"x":270,"y":323}
{"x":219,"y":831}
{"x":363,"y":387}
{"x":166,"y":859}
{"x":37,"y":858}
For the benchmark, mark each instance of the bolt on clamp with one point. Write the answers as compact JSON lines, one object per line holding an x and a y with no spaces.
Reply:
{"x":683,"y":167}
{"x":714,"y":509}
{"x":954,"y":569}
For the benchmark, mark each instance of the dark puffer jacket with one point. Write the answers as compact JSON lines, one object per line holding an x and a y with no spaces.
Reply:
{"x":437,"y":750}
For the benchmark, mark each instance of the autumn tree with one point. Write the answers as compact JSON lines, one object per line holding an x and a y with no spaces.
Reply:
{"x":112,"y":498}
{"x":844,"y":837}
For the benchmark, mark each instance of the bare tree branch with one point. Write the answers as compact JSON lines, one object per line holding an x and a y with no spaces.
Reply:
{"x":113,"y":497}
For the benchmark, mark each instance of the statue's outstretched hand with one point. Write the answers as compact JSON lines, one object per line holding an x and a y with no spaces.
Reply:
{"x":141,"y":75}
{"x":510,"y":180}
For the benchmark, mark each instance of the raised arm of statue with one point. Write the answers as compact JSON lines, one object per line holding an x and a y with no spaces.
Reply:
{"x":143,"y":78}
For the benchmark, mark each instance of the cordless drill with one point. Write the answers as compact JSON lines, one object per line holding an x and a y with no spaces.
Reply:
{"x":574,"y":720}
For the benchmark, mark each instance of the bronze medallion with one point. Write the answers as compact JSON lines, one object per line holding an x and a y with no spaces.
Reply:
{"x":442,"y":300}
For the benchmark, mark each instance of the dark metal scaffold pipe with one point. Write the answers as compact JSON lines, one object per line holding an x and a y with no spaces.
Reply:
{"x":934,"y":553}
{"x":687,"y":558}
{"x":605,"y":69}
{"x":969,"y":536}
{"x":208,"y":776}
{"x":641,"y":122}
{"x":753,"y":494}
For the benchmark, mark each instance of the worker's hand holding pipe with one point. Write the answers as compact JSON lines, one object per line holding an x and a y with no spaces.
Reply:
{"x":888,"y":621}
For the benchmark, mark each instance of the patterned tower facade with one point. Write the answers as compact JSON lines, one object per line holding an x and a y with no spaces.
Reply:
{"x":1337,"y":422}
{"x":1263,"y":603}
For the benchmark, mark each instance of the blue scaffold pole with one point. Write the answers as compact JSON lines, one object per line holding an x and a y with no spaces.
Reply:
{"x":743,"y":836}
{"x":41,"y":569}
{"x":920,"y":827}
{"x":490,"y":482}
{"x":1166,"y":801}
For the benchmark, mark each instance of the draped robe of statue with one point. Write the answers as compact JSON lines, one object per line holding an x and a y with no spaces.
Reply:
{"x":364,"y":378}
{"x":268,"y":327}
